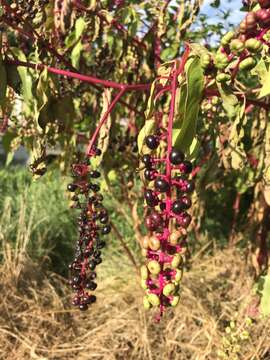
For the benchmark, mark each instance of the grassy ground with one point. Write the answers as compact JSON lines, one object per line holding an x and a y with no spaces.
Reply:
{"x":36,"y":319}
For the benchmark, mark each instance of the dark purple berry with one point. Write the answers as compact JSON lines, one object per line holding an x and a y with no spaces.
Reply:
{"x":186,"y":167}
{"x":150,"y":198}
{"x":161,"y":185}
{"x":190,"y":186}
{"x":106,"y":230}
{"x":186,"y":202}
{"x":92,"y":299}
{"x":94,"y":174}
{"x":101,"y":244}
{"x":152,"y":142}
{"x":147,"y":160}
{"x":104,"y":219}
{"x":83,"y":307}
{"x":185,"y":220}
{"x":177,"y":207}
{"x":149,"y":174}
{"x":72,"y":187}
{"x":176,"y":157}
{"x":91,"y":285}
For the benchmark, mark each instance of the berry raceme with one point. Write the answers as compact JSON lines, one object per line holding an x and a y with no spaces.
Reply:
{"x":239,"y":49}
{"x":93,"y":224}
{"x":167,"y":200}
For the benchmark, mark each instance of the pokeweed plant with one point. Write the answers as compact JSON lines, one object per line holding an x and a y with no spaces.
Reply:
{"x":206,"y":107}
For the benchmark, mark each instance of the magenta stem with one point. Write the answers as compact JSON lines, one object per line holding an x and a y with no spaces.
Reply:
{"x":104,"y":119}
{"x":84,"y":78}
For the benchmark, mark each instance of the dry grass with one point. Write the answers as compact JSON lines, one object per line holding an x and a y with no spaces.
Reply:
{"x":36,"y":321}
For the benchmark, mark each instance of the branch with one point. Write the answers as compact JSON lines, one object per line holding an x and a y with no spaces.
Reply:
{"x":81,"y":77}
{"x":104,"y":119}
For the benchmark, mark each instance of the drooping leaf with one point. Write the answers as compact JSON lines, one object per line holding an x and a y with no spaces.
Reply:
{"x":104,"y":134}
{"x":188,"y":112}
{"x":229,"y":100}
{"x":76,"y":54}
{"x":25,"y":76}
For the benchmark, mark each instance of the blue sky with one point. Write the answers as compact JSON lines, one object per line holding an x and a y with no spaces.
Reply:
{"x":236,"y":15}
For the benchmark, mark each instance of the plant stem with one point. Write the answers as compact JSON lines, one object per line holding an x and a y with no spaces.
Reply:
{"x":104,"y":119}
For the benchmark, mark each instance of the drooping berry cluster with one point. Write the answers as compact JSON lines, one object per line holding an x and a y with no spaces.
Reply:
{"x":93,"y":223}
{"x":167,"y":198}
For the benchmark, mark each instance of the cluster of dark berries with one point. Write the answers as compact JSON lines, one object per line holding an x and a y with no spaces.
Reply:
{"x":167,"y":195}
{"x":93,"y":224}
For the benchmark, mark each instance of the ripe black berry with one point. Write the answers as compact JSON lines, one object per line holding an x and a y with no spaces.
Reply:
{"x":161,"y":185}
{"x":186,"y":167}
{"x":146,"y":159}
{"x":190,"y":187}
{"x":72,"y":187}
{"x":177,"y":207}
{"x":149,"y":174}
{"x":83,"y":307}
{"x":94,"y":174}
{"x":106,"y":229}
{"x":152,"y":142}
{"x":176,"y":157}
{"x":91,"y":285}
{"x":150,"y":198}
{"x":101,"y":244}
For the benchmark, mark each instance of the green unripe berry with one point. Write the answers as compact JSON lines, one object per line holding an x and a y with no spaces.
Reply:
{"x":144,"y":284}
{"x":176,"y":261}
{"x":208,"y":107}
{"x":168,"y":289}
{"x":214,"y":100}
{"x":154,"y":267}
{"x":221,"y":61}
{"x":247,"y":64}
{"x":144,"y":272}
{"x":227,"y":38}
{"x":223,"y":77}
{"x":205,"y":60}
{"x":146,"y":303}
{"x":253,"y":45}
{"x":178,"y":275}
{"x":175,"y":300}
{"x":153,"y":299}
{"x":237,"y":46}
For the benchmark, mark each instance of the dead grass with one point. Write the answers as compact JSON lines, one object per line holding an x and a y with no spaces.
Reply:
{"x":36,"y":321}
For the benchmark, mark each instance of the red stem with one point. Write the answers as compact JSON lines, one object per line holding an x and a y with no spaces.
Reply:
{"x":104,"y":119}
{"x":81,"y":77}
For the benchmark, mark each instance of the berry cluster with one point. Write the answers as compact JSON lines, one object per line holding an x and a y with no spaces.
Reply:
{"x":93,"y":223}
{"x":244,"y":44}
{"x":167,"y":198}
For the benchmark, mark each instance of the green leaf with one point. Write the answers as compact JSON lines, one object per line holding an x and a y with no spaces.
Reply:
{"x":229,"y":100}
{"x":76,"y":54}
{"x":80,"y":26}
{"x":265,"y":90}
{"x":265,"y":297}
{"x":13,"y":78}
{"x":104,"y":134}
{"x":189,"y":105}
{"x":24,"y":75}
